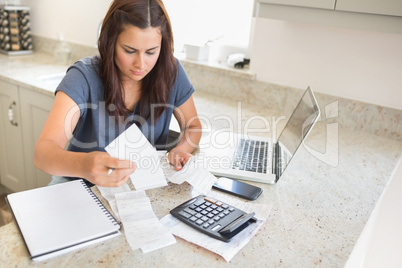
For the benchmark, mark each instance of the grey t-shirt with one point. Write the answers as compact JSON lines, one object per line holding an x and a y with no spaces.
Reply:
{"x":96,"y":128}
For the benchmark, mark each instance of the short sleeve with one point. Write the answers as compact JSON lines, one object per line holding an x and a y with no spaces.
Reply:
{"x":182,"y":89}
{"x":75,"y":86}
{"x":78,"y":83}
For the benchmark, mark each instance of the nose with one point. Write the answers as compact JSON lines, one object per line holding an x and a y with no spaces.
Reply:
{"x":139,"y":61}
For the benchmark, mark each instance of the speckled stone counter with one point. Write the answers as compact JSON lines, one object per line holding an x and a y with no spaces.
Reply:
{"x":319,"y":209}
{"x":28,"y":70}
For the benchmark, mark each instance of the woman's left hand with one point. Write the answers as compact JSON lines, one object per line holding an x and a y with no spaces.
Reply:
{"x":178,"y":159}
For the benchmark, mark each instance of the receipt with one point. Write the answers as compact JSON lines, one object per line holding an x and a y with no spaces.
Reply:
{"x":141,"y":227}
{"x":133,"y":145}
{"x":192,"y":172}
{"x":109,"y":192}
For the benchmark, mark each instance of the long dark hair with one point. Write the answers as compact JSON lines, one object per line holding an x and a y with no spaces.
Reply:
{"x":157,"y":84}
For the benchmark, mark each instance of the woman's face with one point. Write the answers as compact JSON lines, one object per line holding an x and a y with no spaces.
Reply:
{"x":137,"y":51}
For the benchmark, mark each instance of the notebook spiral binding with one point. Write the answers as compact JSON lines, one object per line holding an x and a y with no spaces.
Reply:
{"x":108,"y":214}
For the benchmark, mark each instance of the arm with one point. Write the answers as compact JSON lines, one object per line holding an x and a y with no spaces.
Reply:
{"x":191,"y":131}
{"x":51,"y":157}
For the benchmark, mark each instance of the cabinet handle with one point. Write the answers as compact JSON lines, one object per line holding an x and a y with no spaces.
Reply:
{"x":11,"y":114}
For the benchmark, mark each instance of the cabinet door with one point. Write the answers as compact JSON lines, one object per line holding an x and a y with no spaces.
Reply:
{"x":383,"y":7}
{"x":12,"y":169}
{"x":326,"y":4}
{"x":35,"y":108}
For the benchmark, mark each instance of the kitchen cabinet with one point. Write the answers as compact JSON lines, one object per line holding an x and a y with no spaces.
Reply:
{"x":35,"y":108}
{"x":367,"y":15}
{"x":326,"y":4}
{"x":383,"y":7}
{"x":22,"y":115}
{"x":12,"y":164}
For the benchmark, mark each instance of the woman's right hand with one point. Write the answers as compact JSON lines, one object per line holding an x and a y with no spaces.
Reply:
{"x":96,"y":168}
{"x":51,"y":157}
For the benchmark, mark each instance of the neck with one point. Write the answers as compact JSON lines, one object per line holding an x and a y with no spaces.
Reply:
{"x":132,"y":94}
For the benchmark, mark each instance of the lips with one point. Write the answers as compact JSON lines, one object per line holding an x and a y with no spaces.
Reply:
{"x":138,"y":72}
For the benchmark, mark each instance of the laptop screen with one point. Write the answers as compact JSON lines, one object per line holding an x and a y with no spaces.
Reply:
{"x":297,"y":128}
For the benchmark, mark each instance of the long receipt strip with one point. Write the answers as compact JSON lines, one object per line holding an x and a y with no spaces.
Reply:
{"x":133,"y":145}
{"x":109,"y":194}
{"x":141,"y":227}
{"x":226,"y":250}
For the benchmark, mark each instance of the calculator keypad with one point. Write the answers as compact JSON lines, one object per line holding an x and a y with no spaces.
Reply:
{"x":208,"y":215}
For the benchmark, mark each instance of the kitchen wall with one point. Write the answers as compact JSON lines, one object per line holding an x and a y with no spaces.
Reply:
{"x":364,"y":66}
{"x":76,"y":20}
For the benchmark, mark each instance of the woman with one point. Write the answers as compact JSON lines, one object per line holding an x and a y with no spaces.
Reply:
{"x":134,"y":80}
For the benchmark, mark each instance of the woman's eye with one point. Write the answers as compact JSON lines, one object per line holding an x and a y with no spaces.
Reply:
{"x":130,"y":51}
{"x":150,"y":53}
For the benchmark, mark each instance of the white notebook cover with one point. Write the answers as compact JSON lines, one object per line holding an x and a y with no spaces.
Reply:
{"x":56,"y":218}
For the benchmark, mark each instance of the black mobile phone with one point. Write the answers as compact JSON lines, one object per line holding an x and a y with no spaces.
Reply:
{"x":237,"y":188}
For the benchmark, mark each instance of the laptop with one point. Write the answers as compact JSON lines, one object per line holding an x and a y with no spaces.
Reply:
{"x":253,"y":158}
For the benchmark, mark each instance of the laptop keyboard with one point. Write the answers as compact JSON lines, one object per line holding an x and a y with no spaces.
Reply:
{"x":251,"y":155}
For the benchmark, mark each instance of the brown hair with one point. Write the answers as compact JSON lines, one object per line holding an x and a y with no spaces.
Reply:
{"x":157,"y":84}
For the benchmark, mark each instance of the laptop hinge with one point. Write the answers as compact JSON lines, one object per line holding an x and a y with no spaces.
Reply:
{"x":277,"y":170}
{"x":273,"y":158}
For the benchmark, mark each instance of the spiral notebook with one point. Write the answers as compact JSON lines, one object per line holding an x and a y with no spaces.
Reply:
{"x":61,"y":218}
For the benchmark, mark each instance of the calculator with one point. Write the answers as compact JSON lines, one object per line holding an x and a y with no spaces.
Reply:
{"x":213,"y":217}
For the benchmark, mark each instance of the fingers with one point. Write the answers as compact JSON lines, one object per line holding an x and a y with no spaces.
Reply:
{"x":119,"y":168}
{"x":118,"y":175}
{"x":179,"y":159}
{"x":115,"y":163}
{"x":107,"y":171}
{"x":115,"y":178}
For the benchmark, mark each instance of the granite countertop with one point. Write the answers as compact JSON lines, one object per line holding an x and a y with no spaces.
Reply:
{"x":29,"y":71}
{"x":320,"y":205}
